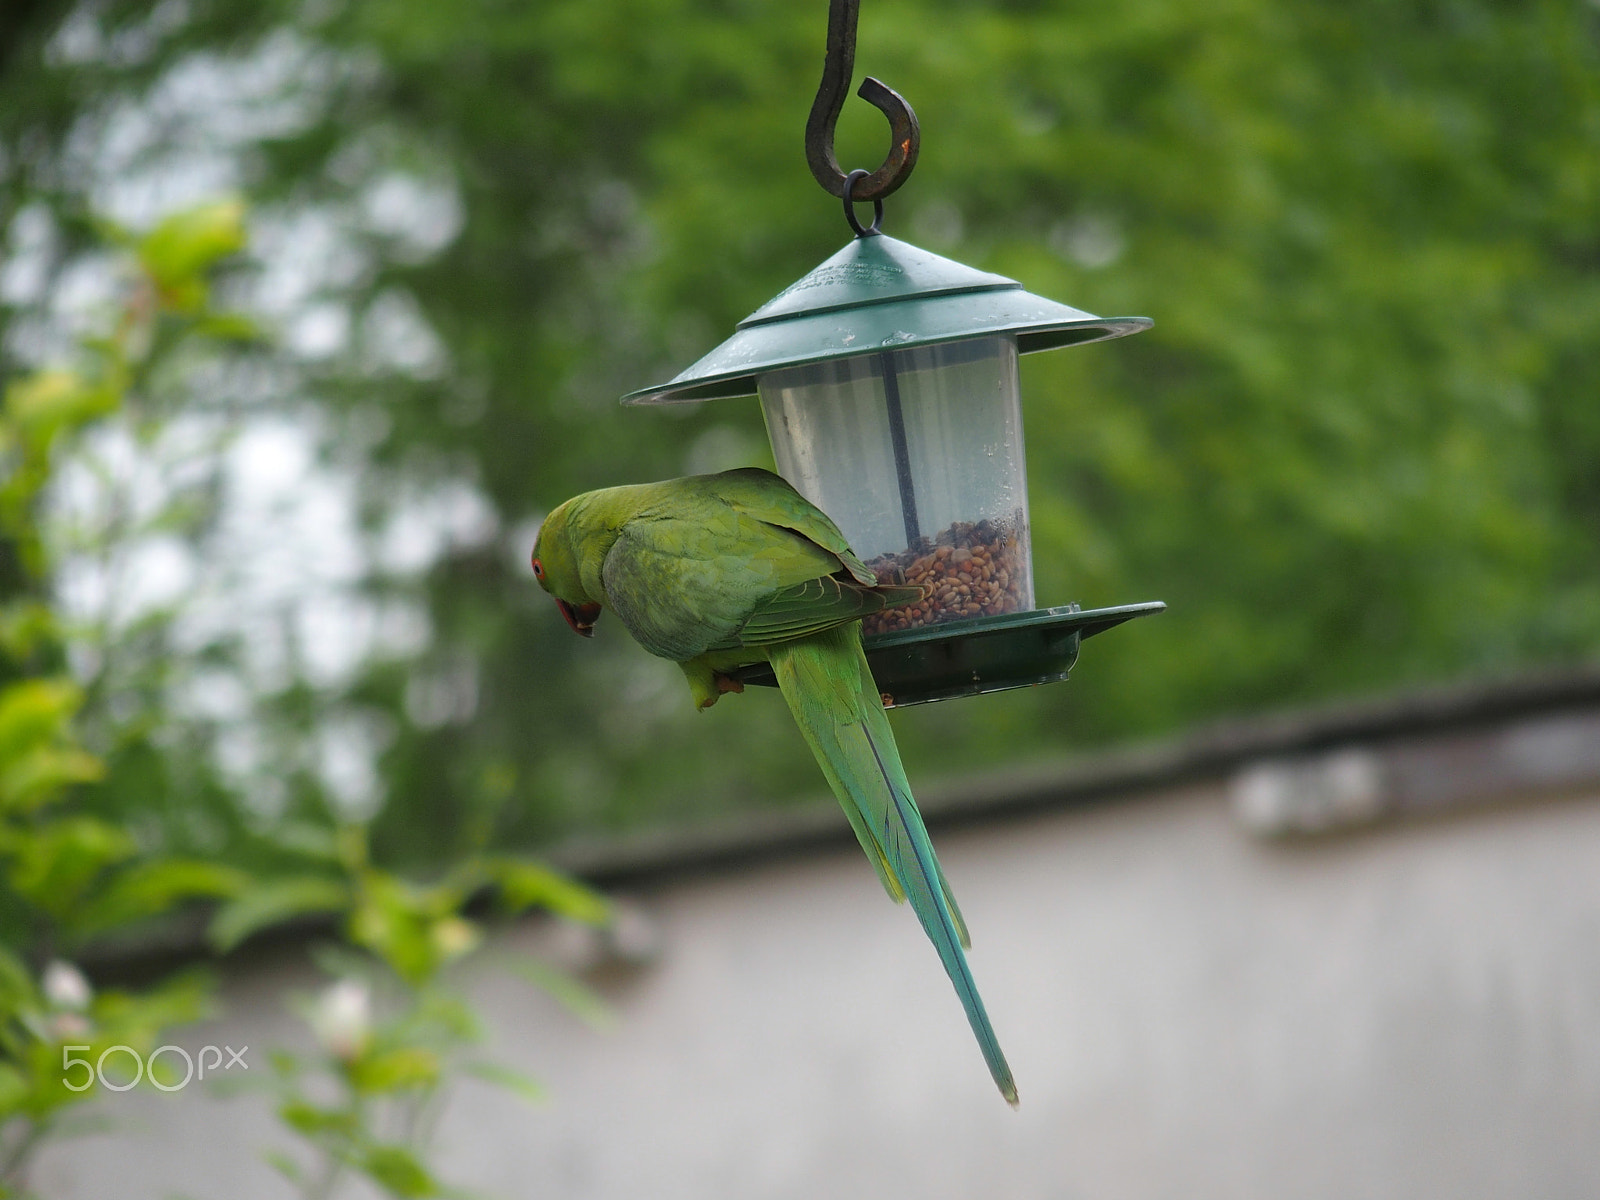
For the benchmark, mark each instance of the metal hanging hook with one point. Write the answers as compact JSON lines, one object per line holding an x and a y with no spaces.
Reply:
{"x":837,"y":68}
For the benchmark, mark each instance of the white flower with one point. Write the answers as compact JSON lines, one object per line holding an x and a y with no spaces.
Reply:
{"x":342,"y":1018}
{"x":65,"y":987}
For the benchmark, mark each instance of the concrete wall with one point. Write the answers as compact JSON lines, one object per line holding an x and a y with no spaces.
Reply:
{"x":1410,"y":1011}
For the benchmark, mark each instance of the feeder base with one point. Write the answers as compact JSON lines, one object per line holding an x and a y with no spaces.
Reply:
{"x":977,"y":655}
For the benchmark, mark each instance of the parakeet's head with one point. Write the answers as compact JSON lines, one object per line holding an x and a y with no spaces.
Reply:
{"x":555,"y":565}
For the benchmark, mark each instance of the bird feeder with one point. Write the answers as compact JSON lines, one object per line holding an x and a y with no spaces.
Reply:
{"x":888,"y":380}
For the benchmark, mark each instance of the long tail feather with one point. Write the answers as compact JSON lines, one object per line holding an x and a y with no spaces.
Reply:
{"x":829,"y":688}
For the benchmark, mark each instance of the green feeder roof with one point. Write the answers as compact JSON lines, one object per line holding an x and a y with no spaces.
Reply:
{"x":875,"y":294}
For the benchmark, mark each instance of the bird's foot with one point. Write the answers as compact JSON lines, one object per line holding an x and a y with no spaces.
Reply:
{"x":706,"y":685}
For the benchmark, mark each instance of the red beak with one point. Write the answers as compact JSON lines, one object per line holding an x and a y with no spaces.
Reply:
{"x":580,"y":616}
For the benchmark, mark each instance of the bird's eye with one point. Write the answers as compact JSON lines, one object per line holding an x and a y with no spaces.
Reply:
{"x":538,"y":569}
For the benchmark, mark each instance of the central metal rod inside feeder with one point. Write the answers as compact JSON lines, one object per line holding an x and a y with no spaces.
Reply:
{"x":902,"y":456}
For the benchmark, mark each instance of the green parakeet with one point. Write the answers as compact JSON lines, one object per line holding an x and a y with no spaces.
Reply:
{"x":715,"y":571}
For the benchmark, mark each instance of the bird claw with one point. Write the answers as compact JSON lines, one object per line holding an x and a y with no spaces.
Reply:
{"x":721,"y":685}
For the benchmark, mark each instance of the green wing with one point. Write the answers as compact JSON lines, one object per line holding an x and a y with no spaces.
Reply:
{"x":683,"y":584}
{"x":722,"y":562}
{"x":771,"y":498}
{"x":816,"y":605}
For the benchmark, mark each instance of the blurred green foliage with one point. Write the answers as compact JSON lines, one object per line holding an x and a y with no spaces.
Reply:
{"x":68,"y":873}
{"x":394,"y":1036}
{"x":1357,"y":450}
{"x":83,"y":867}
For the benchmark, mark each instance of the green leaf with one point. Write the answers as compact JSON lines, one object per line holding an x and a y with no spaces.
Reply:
{"x":396,"y":922}
{"x":528,"y":1088}
{"x":398,"y":1172}
{"x":265,"y":904}
{"x":147,"y":888}
{"x":42,"y":404}
{"x":17,"y":988}
{"x":228,"y":327}
{"x":36,"y":713}
{"x":394,"y":1070}
{"x":185,"y":244}
{"x":13,"y":1090}
{"x":53,"y":867}
{"x":312,"y":1120}
{"x":138,"y":1018}
{"x":38,"y":777}
{"x":526,"y":884}
{"x":26,"y":627}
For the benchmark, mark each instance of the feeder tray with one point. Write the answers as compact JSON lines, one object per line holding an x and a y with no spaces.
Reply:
{"x":977,"y":655}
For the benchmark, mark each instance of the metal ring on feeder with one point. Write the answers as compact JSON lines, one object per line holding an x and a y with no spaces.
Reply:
{"x":850,"y":182}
